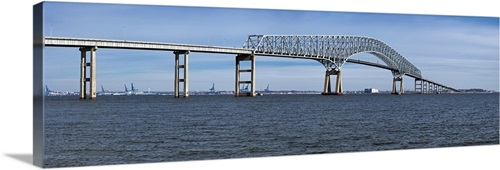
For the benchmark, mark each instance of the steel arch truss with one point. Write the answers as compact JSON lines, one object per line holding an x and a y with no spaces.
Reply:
{"x":331,"y":50}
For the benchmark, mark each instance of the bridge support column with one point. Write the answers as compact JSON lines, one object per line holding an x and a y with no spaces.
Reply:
{"x":338,"y":85}
{"x":178,"y":80}
{"x":418,"y":86}
{"x":83,"y":73}
{"x":429,"y":87}
{"x":425,"y":83}
{"x":327,"y":90}
{"x":93,"y":83}
{"x":238,"y":82}
{"x":394,"y":82}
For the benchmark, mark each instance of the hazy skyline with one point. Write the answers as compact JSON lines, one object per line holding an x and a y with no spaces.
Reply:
{"x":461,"y":52}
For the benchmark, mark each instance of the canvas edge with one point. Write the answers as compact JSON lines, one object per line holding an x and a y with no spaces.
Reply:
{"x":38,"y":95}
{"x":38,"y":101}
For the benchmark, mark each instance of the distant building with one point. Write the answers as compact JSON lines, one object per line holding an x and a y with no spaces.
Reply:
{"x":371,"y":90}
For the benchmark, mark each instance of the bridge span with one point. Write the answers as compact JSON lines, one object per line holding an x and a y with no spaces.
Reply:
{"x":331,"y":51}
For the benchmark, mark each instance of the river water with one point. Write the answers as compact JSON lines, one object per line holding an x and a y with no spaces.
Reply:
{"x":139,"y":129}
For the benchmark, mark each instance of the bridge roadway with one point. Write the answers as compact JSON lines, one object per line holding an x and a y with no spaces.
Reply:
{"x":393,"y":69}
{"x":141,"y":45}
{"x":243,"y":54}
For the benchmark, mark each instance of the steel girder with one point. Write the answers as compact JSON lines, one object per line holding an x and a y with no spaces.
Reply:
{"x":331,"y":50}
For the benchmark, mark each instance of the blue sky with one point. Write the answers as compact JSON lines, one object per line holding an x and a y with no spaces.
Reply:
{"x":461,"y":52}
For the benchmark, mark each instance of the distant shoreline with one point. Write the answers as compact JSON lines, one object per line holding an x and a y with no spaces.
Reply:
{"x":284,"y":92}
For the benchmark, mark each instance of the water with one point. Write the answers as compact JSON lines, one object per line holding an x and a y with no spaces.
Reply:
{"x":138,"y":129}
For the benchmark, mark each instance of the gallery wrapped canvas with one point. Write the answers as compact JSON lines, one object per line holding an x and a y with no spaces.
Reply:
{"x":123,"y":84}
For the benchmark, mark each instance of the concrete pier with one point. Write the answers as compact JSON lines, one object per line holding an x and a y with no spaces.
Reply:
{"x":424,"y":89}
{"x":83,"y":73}
{"x":394,"y":85}
{"x":93,"y":82}
{"x":338,"y":84}
{"x":419,"y":86}
{"x":185,"y":77}
{"x":327,"y":90}
{"x":238,"y":81}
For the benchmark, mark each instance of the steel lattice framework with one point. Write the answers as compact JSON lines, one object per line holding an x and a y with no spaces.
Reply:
{"x":331,"y":50}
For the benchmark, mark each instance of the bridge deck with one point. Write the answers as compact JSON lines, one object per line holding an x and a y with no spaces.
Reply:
{"x":139,"y":45}
{"x":394,"y":69}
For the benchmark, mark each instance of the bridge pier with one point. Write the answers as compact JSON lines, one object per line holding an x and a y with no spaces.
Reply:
{"x":327,"y":90}
{"x":185,"y":69}
{"x":394,"y":82}
{"x":425,"y":83}
{"x":418,"y":86}
{"x":83,"y":73}
{"x":238,"y":82}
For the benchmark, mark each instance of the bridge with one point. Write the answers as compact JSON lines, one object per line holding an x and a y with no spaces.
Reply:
{"x":330,"y":50}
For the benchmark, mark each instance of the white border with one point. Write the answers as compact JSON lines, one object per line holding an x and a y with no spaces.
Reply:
{"x":16,"y":92}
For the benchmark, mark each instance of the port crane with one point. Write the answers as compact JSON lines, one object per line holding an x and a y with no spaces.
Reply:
{"x":212,"y":90}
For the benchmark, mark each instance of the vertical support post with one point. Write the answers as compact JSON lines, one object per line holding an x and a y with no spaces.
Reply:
{"x":328,"y":88}
{"x":186,"y":75}
{"x":415,"y":87}
{"x":425,"y":86}
{"x":237,"y":77}
{"x":83,"y":73}
{"x":338,"y":85}
{"x":394,"y":85}
{"x":93,"y":83}
{"x":401,"y":89}
{"x":253,"y":75}
{"x":419,"y":86}
{"x":178,"y":80}
{"x":238,"y":82}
